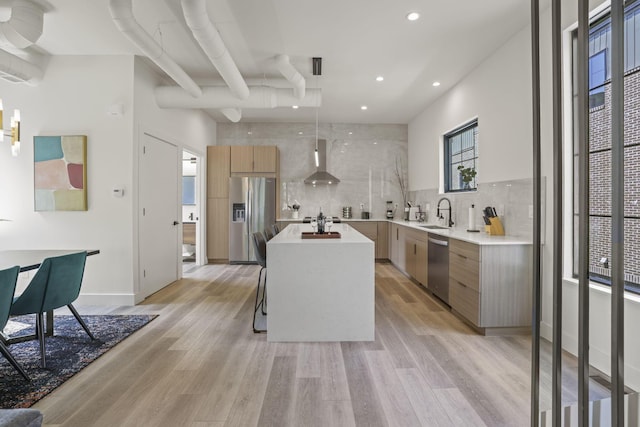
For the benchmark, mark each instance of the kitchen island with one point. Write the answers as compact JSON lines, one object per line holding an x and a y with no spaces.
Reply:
{"x":320,"y":289}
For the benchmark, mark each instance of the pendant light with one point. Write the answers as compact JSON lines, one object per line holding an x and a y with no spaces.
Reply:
{"x":317,"y":71}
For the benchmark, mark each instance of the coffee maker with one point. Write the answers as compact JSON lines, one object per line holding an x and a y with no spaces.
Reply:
{"x":390,"y":210}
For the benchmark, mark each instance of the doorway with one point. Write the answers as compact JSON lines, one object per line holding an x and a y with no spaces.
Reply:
{"x":158,"y":215}
{"x":190,"y":244}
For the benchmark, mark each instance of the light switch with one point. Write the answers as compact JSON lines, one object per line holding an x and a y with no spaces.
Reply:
{"x":531,"y":211}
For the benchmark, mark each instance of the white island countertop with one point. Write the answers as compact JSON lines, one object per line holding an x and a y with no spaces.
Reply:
{"x":320,"y":289}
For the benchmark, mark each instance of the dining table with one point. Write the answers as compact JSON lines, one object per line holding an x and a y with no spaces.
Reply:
{"x":31,"y":259}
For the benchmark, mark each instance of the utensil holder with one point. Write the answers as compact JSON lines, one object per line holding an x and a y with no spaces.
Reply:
{"x":496,"y":228}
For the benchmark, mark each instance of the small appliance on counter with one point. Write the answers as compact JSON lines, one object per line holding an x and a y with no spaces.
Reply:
{"x":414,"y":213}
{"x":390,"y":209}
{"x":346,"y":212}
{"x":364,"y":215}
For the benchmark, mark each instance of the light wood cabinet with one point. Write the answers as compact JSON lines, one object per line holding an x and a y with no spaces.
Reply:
{"x":265,"y":159}
{"x":415,"y":252}
{"x":396,"y":246}
{"x":382,"y":243}
{"x":254,"y":159}
{"x":218,"y":229}
{"x":218,"y":171}
{"x":188,"y":233}
{"x":376,"y":231}
{"x":490,"y":285}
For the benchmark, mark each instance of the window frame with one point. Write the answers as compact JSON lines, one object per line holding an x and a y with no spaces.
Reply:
{"x":597,"y":24}
{"x":447,"y":161}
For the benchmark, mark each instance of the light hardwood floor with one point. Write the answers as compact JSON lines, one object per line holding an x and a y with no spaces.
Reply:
{"x":199,"y":364}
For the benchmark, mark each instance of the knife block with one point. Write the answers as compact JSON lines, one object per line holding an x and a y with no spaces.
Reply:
{"x":495,"y":229}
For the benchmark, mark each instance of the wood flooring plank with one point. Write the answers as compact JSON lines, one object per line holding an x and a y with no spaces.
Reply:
{"x":338,"y":413}
{"x":247,"y":406}
{"x":460,"y":410}
{"x":307,"y":410}
{"x":364,"y":399}
{"x":423,"y":399}
{"x":393,"y":398}
{"x":334,"y":383}
{"x":277,"y":408}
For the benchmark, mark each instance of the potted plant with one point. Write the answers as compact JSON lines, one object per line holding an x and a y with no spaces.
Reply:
{"x":467,"y":175}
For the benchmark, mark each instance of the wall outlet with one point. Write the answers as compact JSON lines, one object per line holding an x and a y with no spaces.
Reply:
{"x":500,"y":210}
{"x":530,"y":211}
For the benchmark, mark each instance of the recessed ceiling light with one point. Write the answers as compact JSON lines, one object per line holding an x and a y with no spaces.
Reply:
{"x":375,"y":143}
{"x":413,"y":16}
{"x":300,"y":133}
{"x":350,"y":133}
{"x":364,"y":107}
{"x":379,"y":78}
{"x":436,"y":84}
{"x":295,"y":107}
{"x":249,"y":133}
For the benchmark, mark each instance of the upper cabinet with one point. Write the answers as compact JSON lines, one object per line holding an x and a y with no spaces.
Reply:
{"x":254,"y":159}
{"x":218,"y":171}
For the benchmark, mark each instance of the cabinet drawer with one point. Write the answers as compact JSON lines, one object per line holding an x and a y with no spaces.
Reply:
{"x":465,"y":301}
{"x":465,"y":249}
{"x":465,"y":270}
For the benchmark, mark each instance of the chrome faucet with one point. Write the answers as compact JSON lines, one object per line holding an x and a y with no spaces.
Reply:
{"x":449,"y":221}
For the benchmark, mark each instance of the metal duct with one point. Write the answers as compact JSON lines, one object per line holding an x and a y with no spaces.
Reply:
{"x":206,"y":34}
{"x":292,"y":75}
{"x":222,"y":97}
{"x":122,"y":14}
{"x":233,"y":114}
{"x":17,"y":70}
{"x":24,"y":27}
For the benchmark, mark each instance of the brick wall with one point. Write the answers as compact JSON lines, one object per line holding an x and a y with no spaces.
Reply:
{"x":600,"y":175}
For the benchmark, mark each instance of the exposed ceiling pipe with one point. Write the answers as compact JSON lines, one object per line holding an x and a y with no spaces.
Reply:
{"x":233,"y":114}
{"x":17,"y":70}
{"x":122,"y":14}
{"x":291,"y":74}
{"x":206,"y":34}
{"x":222,"y":97}
{"x":24,"y":27}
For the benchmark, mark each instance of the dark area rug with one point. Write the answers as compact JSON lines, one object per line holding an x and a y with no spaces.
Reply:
{"x":68,"y":352}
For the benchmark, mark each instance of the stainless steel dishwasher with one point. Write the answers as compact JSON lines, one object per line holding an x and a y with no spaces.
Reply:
{"x":438,"y":271}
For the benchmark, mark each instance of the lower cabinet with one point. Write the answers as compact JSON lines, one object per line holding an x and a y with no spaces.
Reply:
{"x":490,"y":285}
{"x":396,"y":245}
{"x":376,"y":231}
{"x":415,"y":253}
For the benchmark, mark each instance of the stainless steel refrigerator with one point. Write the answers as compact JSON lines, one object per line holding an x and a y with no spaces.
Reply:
{"x":252,"y":204}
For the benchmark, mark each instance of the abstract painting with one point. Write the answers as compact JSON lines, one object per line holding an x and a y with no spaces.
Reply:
{"x":60,"y":173}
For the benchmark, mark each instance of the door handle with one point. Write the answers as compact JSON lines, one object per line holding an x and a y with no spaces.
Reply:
{"x":175,"y":223}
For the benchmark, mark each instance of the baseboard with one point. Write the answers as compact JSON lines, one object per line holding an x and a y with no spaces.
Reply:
{"x":106,"y":299}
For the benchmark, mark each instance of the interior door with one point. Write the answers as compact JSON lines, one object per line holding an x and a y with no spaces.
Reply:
{"x":159,"y":215}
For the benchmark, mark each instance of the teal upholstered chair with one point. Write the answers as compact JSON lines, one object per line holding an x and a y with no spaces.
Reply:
{"x":56,"y":284}
{"x":8,"y":280}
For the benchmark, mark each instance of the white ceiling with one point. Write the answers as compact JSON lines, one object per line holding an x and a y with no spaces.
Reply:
{"x":357,"y":39}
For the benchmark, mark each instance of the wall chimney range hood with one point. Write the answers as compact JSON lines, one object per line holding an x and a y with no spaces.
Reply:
{"x":321,"y":176}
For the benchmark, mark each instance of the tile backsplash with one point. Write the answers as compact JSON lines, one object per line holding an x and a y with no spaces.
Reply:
{"x":512,"y":200}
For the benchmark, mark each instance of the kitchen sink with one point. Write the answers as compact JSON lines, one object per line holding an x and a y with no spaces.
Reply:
{"x":434,"y":227}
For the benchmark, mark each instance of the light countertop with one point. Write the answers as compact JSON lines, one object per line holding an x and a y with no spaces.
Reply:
{"x":480,"y":238}
{"x":292,"y":234}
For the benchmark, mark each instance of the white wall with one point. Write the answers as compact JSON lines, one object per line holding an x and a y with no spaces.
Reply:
{"x":498,"y":93}
{"x":73,"y":98}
